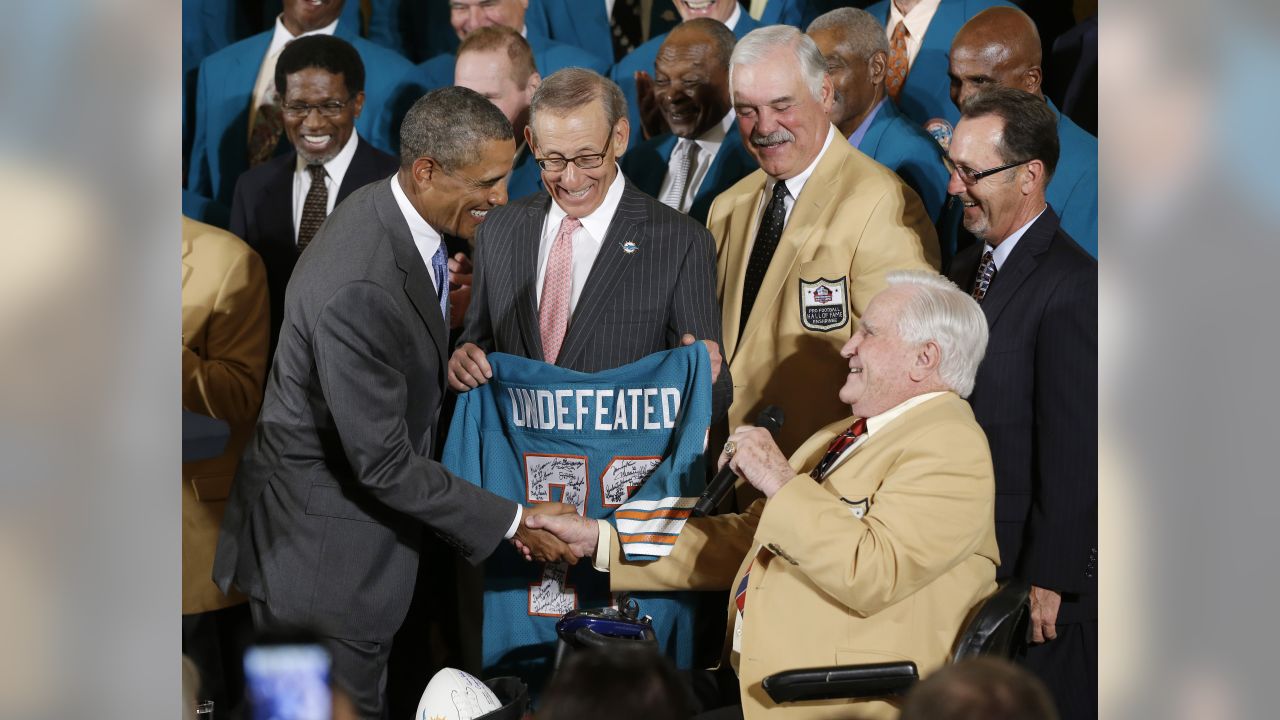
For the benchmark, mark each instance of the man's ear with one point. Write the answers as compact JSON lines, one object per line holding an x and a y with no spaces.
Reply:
{"x":528,"y":137}
{"x":425,"y":170}
{"x":877,"y":66}
{"x":1032,"y":178}
{"x":927,"y":360}
{"x":1031,"y":79}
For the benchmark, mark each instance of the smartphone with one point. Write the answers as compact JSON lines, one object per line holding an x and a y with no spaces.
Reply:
{"x":288,"y":681}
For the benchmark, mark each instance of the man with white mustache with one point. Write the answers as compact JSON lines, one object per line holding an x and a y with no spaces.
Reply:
{"x":806,"y":241}
{"x":589,"y":274}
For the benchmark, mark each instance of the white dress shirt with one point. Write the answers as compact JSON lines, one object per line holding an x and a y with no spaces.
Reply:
{"x":334,"y":171}
{"x":917,"y":22}
{"x":709,"y":144}
{"x":794,"y":186}
{"x":425,"y":237}
{"x":587,"y":239}
{"x":265,"y":85}
{"x":1000,"y":253}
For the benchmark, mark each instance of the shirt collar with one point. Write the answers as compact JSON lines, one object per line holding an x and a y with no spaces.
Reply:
{"x":876,"y":423}
{"x":425,"y":237}
{"x":732,"y":22}
{"x":710,"y":141}
{"x":282,"y":36}
{"x":1000,"y":253}
{"x":796,"y":184}
{"x":856,"y":138}
{"x":337,"y":166}
{"x":597,"y":223}
{"x":917,"y":20}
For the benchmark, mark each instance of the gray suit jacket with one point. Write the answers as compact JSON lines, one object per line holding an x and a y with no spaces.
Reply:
{"x":325,"y":519}
{"x":634,"y":303}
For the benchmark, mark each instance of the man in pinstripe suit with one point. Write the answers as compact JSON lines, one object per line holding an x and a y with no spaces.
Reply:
{"x":591,"y":273}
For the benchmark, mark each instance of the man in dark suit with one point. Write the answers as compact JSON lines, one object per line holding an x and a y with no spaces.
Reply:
{"x":278,"y":206}
{"x":591,"y":273}
{"x":325,"y":520}
{"x":703,"y":154}
{"x":857,"y":55}
{"x":1037,"y":389}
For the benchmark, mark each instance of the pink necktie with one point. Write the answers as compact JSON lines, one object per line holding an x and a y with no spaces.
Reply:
{"x":557,"y":288}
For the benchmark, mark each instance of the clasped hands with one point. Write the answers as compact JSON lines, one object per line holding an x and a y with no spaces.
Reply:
{"x":555,"y":532}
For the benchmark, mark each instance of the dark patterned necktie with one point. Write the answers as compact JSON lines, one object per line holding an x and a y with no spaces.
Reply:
{"x":628,"y":32}
{"x":837,"y":447}
{"x":440,"y":269}
{"x":767,"y":237}
{"x":986,"y":272}
{"x":315,"y":208}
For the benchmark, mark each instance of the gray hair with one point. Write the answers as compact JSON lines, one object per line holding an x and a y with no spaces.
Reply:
{"x":572,"y":88}
{"x":760,"y":43}
{"x":862,"y":34}
{"x":941,"y":312}
{"x":451,"y":126}
{"x":721,"y":36}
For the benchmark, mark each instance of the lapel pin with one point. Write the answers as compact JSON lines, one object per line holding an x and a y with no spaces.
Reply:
{"x":629,"y":247}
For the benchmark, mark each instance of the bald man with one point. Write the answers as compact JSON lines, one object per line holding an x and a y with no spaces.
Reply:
{"x":702,"y":155}
{"x":1001,"y":45}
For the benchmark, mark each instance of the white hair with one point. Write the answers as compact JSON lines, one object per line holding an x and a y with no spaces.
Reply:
{"x":941,"y":312}
{"x":760,"y":43}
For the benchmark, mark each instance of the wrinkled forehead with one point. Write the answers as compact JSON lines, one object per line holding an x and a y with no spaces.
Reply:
{"x":777,"y":76}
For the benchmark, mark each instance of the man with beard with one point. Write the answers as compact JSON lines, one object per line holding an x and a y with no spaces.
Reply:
{"x":279,"y":205}
{"x":703,"y":154}
{"x":805,"y":242}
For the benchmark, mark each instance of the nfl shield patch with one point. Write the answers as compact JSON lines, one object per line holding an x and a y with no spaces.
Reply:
{"x":824,"y":304}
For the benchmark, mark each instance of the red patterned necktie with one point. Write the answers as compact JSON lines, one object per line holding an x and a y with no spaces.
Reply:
{"x":982,"y":280}
{"x":837,"y":447}
{"x":898,"y":65}
{"x":557,"y":289}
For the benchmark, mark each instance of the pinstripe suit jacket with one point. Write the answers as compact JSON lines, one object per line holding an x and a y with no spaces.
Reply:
{"x":1036,"y":396}
{"x":633,"y":304}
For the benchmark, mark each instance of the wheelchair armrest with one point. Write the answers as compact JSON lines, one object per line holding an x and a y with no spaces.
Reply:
{"x":842,"y":682}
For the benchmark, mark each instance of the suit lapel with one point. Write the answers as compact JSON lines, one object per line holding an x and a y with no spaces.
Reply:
{"x":186,"y":267}
{"x":799,"y":231}
{"x":277,"y":202}
{"x":879,"y":124}
{"x":417,"y":282}
{"x":1019,"y":265}
{"x":361,"y":172}
{"x":731,"y":266}
{"x":528,"y":236}
{"x":608,"y":269}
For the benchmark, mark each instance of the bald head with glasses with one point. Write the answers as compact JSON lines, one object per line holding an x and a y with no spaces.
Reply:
{"x":1002,"y":156}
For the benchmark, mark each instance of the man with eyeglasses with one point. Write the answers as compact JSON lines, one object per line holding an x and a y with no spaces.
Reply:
{"x":590,"y":273}
{"x":238,"y":120}
{"x":1001,"y":46}
{"x":335,"y":492}
{"x":1036,"y":394}
{"x":279,"y":205}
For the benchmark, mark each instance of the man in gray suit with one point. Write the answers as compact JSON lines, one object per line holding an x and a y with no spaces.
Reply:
{"x":324,"y":523}
{"x":590,"y":273}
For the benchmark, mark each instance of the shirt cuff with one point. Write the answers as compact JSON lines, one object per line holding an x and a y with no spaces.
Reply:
{"x":515,"y":524}
{"x":601,"y":561}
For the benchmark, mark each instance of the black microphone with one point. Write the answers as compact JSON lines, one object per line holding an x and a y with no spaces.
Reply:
{"x":770,"y":419}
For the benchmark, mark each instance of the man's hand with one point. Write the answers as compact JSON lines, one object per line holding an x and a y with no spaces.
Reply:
{"x":468,"y":368}
{"x":460,"y":271}
{"x":1044,"y":614}
{"x":713,"y":353}
{"x":580,"y":533}
{"x":541,"y":545}
{"x":652,"y":123}
{"x":757,"y":458}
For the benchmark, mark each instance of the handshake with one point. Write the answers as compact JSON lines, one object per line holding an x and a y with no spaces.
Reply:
{"x":555,"y":532}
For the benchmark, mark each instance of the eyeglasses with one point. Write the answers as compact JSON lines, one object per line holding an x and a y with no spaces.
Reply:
{"x":298,"y":111}
{"x":969,"y":176}
{"x":584,"y":162}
